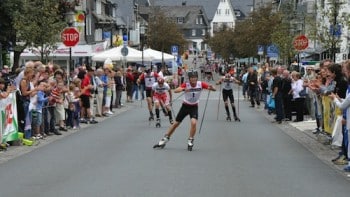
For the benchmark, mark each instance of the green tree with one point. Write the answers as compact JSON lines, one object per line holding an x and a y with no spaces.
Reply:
{"x":223,"y":43}
{"x":162,"y":33}
{"x":328,"y":26}
{"x":7,"y":32}
{"x":38,"y":24}
{"x":256,"y":30}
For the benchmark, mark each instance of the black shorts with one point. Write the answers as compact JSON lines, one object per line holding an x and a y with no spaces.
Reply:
{"x":148,"y":92}
{"x":228,"y":94}
{"x":185,"y":110}
{"x":85,"y":100}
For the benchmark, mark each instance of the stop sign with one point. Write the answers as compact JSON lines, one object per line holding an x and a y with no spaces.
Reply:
{"x":301,"y":42}
{"x":70,"y":36}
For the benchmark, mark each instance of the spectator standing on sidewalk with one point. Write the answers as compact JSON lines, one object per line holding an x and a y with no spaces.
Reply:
{"x":308,"y":77}
{"x":252,"y":80}
{"x":344,"y":104}
{"x":119,"y":86}
{"x":297,"y":87}
{"x":277,"y":95}
{"x":286,"y":96}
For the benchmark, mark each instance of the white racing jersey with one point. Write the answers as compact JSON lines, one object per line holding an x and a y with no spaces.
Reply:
{"x":149,"y":80}
{"x":227,"y":83}
{"x":192,"y":96}
{"x":160,"y":89}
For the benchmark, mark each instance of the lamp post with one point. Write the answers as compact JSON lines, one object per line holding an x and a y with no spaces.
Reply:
{"x":70,"y":20}
{"x":142,"y":33}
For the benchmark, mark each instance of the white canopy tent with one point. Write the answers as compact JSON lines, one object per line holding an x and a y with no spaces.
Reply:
{"x":115,"y":55}
{"x":158,"y":55}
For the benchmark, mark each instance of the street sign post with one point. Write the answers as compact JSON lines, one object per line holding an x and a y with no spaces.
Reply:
{"x":174,"y":50}
{"x":124,"y":51}
{"x":301,"y":42}
{"x":70,"y":37}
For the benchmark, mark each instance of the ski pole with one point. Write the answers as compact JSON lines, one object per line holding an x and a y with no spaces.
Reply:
{"x":217,"y":114}
{"x":238,"y":100}
{"x":205,"y":108}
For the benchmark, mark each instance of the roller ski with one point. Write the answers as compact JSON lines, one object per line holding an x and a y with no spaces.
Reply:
{"x":151,"y":118}
{"x":237,"y":119}
{"x":158,"y":123}
{"x":228,"y":118}
{"x":171,"y":121}
{"x":161,"y":144}
{"x":190,"y":144}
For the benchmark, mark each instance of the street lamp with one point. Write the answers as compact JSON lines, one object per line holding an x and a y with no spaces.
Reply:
{"x":70,"y":16}
{"x":142,"y":33}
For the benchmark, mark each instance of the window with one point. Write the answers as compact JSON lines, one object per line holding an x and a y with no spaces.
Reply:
{"x":201,"y":20}
{"x":98,"y":7}
{"x":197,"y":21}
{"x":193,"y":32}
{"x":223,"y":0}
{"x":203,"y":32}
{"x":218,"y":12}
{"x":180,"y":20}
{"x":227,"y":12}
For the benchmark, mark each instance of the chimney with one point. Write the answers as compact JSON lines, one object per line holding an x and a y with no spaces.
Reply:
{"x":183,"y":3}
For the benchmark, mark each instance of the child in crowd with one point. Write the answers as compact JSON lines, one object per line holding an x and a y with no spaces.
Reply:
{"x":69,"y":106}
{"x":36,"y":112}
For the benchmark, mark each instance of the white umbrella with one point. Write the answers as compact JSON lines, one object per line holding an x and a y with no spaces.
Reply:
{"x":157,"y":55}
{"x":115,"y":54}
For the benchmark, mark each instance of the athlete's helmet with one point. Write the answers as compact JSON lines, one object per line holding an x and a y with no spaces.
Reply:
{"x":160,"y":80}
{"x":192,"y":73}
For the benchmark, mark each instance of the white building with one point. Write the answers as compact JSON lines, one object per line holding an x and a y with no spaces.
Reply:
{"x":224,"y":16}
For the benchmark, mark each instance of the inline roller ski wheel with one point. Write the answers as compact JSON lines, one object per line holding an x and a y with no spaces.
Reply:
{"x":228,"y":118}
{"x":190,"y":144}
{"x":161,"y":144}
{"x":237,"y":119}
{"x":158,"y":123}
{"x":151,"y":118}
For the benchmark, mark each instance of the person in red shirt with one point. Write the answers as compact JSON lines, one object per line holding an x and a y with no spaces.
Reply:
{"x":129,"y":78}
{"x":85,"y":96}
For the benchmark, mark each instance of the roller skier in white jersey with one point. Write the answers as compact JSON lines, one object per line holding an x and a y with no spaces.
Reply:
{"x":149,"y":78}
{"x":227,"y":82}
{"x":192,"y":90}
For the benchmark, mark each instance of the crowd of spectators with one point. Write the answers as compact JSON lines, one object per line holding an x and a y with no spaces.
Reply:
{"x":49,"y":101}
{"x":286,"y":93}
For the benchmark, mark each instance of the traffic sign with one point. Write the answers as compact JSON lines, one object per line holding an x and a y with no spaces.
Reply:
{"x":70,"y":36}
{"x":174,"y":50}
{"x":301,"y":42}
{"x":124,"y":51}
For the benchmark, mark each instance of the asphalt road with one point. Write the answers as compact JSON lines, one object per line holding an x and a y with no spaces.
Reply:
{"x":252,"y":158}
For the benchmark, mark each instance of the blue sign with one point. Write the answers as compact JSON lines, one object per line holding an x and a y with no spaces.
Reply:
{"x":106,"y":35}
{"x":335,"y":31}
{"x":260,"y":50}
{"x":174,"y":50}
{"x":209,"y":53}
{"x":272,"y":50}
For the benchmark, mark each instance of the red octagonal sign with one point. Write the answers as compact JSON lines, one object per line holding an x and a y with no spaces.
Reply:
{"x":301,"y":42}
{"x":70,"y":36}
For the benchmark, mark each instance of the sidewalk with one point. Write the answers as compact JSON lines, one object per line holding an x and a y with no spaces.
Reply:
{"x":318,"y":144}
